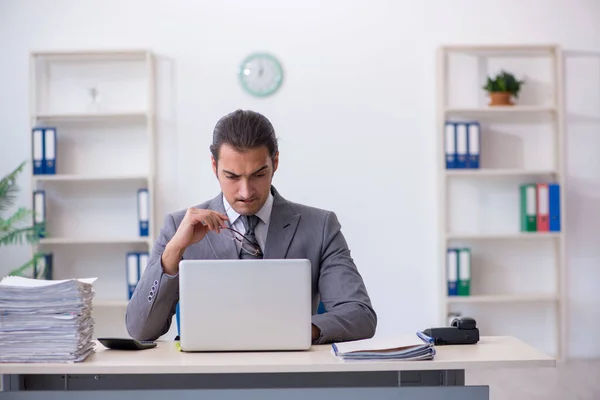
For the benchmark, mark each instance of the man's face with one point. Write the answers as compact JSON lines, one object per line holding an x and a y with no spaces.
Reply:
{"x":245,"y":177}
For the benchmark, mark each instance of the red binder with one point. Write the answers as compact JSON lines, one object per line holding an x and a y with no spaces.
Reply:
{"x":542,"y":207}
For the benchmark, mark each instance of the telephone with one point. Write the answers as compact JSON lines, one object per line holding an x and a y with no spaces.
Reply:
{"x":462,"y":330}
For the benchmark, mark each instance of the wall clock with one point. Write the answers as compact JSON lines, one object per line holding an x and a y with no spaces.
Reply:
{"x":261,"y":74}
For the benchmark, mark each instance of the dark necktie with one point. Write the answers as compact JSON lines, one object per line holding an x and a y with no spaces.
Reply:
{"x":248,"y":251}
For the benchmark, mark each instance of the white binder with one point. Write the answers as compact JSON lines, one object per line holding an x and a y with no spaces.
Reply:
{"x":450,"y":145}
{"x":143,"y":211}
{"x":461,"y":145}
{"x":50,"y":151}
{"x":133,"y":272}
{"x":143,"y":263}
{"x":38,"y":151}
{"x":39,"y":211}
{"x":474,"y":144}
{"x":452,"y":271}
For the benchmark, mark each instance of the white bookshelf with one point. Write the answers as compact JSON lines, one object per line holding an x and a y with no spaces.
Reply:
{"x":105,"y":152}
{"x":517,"y":278}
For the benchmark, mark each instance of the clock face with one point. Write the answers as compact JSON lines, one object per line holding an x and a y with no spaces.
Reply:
{"x":261,"y":74}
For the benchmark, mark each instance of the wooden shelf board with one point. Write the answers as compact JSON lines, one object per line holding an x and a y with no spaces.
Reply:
{"x":500,"y":172}
{"x":69,"y":117}
{"x":503,"y":298}
{"x":500,"y":110}
{"x":76,"y":55}
{"x":493,"y":236}
{"x":84,"y":177}
{"x":78,"y":240}
{"x":502,"y":49}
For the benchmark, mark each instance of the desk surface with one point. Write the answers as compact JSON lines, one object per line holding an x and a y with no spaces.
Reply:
{"x":490,"y":352}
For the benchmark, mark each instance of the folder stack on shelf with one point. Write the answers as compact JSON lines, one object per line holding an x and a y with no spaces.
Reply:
{"x":462,"y":144}
{"x":43,"y":149}
{"x":45,"y":320}
{"x":540,"y":207}
{"x":458,"y":265}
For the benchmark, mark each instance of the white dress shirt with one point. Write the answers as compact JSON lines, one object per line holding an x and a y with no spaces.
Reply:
{"x":262,"y":227}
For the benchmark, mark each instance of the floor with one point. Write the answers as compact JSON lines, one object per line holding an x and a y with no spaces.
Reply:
{"x":571,"y":380}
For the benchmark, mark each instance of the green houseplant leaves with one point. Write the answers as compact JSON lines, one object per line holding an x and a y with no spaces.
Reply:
{"x":17,"y":228}
{"x":504,"y":82}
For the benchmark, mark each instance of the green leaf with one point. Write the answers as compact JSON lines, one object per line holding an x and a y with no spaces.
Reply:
{"x":11,"y":229}
{"x":501,"y":86}
{"x":19,"y":216}
{"x":9,"y":188}
{"x":29,"y":234}
{"x":29,"y":264}
{"x":503,"y":82}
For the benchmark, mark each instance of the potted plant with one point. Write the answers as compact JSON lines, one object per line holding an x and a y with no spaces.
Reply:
{"x":502,"y":88}
{"x":14,"y":229}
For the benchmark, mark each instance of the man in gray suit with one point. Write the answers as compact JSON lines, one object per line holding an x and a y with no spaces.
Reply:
{"x":244,"y":158}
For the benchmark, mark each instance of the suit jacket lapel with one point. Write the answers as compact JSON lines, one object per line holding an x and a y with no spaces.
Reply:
{"x":223,"y":247}
{"x":282,"y":228}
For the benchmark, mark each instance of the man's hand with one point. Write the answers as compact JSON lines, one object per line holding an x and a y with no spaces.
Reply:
{"x":316,"y":332}
{"x":195,"y":225}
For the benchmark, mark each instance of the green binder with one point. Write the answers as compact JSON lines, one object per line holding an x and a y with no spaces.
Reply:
{"x":528,"y":208}
{"x":464,"y":272}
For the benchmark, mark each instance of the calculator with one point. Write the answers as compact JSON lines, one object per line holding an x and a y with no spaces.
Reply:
{"x":126,"y":344}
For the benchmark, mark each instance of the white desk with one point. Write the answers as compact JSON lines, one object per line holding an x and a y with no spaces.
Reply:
{"x":315,"y":374}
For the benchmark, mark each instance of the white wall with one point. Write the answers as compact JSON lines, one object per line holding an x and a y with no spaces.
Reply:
{"x":355,"y":117}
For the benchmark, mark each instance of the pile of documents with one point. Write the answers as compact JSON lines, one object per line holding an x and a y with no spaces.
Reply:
{"x":402,"y":348}
{"x":45,"y":320}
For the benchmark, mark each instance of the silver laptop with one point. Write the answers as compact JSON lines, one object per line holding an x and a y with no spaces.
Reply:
{"x":245,"y":305}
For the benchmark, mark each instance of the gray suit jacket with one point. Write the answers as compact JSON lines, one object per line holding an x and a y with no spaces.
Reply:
{"x":295,"y":231}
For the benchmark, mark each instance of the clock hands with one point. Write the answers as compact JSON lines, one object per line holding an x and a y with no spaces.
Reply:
{"x":261,"y":74}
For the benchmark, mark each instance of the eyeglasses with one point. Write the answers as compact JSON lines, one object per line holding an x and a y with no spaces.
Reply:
{"x":246,"y":245}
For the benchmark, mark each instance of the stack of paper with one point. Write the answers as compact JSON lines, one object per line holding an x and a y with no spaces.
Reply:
{"x":405,"y":348}
{"x":45,"y":320}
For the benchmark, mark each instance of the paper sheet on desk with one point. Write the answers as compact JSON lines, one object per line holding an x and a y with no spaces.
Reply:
{"x":405,"y":347}
{"x":20,"y":281}
{"x":46,"y":320}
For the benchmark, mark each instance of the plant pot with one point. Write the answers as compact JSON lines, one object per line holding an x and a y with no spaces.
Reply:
{"x":500,"y":99}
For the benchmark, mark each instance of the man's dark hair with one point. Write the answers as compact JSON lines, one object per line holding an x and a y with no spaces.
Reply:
{"x":244,"y":130}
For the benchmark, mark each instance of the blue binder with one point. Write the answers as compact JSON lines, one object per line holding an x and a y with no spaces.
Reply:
{"x":132,"y":272}
{"x":450,"y":144}
{"x":177,"y":319}
{"x":452,"y":271}
{"x":473,"y":144}
{"x":554,"y":207}
{"x":42,"y":267}
{"x":461,"y":145}
{"x":39,"y":212}
{"x":50,"y":150}
{"x":37,"y":151}
{"x":143,"y":211}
